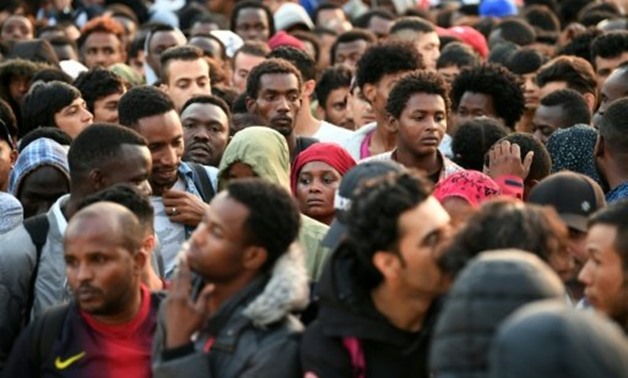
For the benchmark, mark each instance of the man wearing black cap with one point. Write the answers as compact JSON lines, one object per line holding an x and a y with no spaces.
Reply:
{"x":575,"y":197}
{"x":378,"y":290}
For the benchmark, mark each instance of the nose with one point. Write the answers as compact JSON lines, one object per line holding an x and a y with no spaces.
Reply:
{"x":315,"y":186}
{"x":84,"y":272}
{"x":585,"y":274}
{"x":87,"y":116}
{"x":145,"y":188}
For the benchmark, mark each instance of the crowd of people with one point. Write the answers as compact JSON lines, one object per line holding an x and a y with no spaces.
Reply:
{"x":314,"y":188}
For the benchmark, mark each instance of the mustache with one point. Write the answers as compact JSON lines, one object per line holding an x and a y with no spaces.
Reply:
{"x":86,"y":289}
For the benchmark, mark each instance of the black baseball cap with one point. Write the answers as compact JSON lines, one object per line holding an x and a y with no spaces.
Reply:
{"x":351,"y":181}
{"x":574,"y":196}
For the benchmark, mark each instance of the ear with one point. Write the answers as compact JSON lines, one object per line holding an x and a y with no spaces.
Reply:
{"x":600,"y":147}
{"x":96,"y":179}
{"x":149,"y":244}
{"x":387,"y":263}
{"x":393,"y":124}
{"x":13,"y":156}
{"x":140,"y":260}
{"x":164,"y":88}
{"x":250,"y":104}
{"x":369,"y":91}
{"x":308,"y":88}
{"x":590,"y":98}
{"x":254,"y":257}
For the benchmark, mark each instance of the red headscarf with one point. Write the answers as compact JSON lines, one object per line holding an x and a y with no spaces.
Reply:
{"x":330,"y":153}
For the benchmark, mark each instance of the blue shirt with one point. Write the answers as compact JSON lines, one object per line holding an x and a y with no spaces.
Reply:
{"x":618,"y":194}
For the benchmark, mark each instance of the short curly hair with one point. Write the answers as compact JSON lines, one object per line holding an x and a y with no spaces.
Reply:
{"x":373,"y":221}
{"x":503,"y":224}
{"x":269,"y":67}
{"x":498,"y":83}
{"x":387,"y":59}
{"x":273,"y":221}
{"x":419,"y":81}
{"x":474,"y":139}
{"x":97,"y":84}
{"x":577,"y":72}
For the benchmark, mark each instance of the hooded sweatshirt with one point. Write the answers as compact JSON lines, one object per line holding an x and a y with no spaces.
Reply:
{"x":488,"y":290}
{"x":41,"y":152}
{"x":549,"y":340}
{"x":266,"y":152}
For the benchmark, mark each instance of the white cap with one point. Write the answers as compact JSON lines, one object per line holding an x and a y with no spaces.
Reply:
{"x":290,"y":14}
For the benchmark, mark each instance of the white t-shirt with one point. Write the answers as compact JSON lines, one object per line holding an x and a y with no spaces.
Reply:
{"x":169,"y":235}
{"x":329,"y":133}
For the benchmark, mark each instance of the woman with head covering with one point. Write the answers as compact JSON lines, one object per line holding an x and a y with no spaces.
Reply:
{"x":463,"y":192}
{"x":263,"y":152}
{"x":572,"y":149}
{"x":315,"y":176}
{"x":40,"y":176}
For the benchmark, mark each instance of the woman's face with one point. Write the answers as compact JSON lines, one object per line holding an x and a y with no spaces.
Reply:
{"x":74,"y":118}
{"x":359,"y":109}
{"x":316,"y":187}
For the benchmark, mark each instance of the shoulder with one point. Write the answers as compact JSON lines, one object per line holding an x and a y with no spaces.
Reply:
{"x":379,"y":157}
{"x":16,"y":246}
{"x":332,"y":133}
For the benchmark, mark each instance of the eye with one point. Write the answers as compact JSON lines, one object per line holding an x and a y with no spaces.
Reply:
{"x":304,"y":180}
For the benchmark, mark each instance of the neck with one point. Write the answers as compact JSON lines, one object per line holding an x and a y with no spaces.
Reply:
{"x":406,"y":312}
{"x":383,"y":140}
{"x":292,"y":144}
{"x":428,"y":163}
{"x":525,"y":123}
{"x":306,"y":125}
{"x":223,"y":291}
{"x":128,"y":312}
{"x":614,"y":172}
{"x":71,"y":207}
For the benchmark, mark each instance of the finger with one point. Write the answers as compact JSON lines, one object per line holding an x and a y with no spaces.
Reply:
{"x":515,"y":151}
{"x":527,"y":162}
{"x":203,"y":298}
{"x":182,"y":281}
{"x":505,"y":148}
{"x":173,"y":193}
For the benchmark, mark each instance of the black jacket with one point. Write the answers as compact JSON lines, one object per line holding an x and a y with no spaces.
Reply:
{"x":346,"y":310}
{"x":488,"y":290}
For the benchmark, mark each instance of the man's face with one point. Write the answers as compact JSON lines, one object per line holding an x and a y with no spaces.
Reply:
{"x":349,"y":53}
{"x":134,"y":169}
{"x":604,"y":67}
{"x":101,"y":271}
{"x":449,"y":73}
{"x":278,"y":101}
{"x":217,"y":245}
{"x":18,"y":87}
{"x":377,"y":94}
{"x":427,"y":44}
{"x":548,"y":119}
{"x":102,"y":49}
{"x":336,"y":107}
{"x":160,"y":42}
{"x":74,"y":118}
{"x":205,"y":133}
{"x":187,"y":79}
{"x":106,"y":108}
{"x":164,"y":135}
{"x":210,"y":47}
{"x":359,"y":110}
{"x":41,"y":188}
{"x":473,"y":105}
{"x":242,"y":65}
{"x":423,"y":232}
{"x":16,"y":28}
{"x":380,"y":27}
{"x":616,"y":86}
{"x":602,"y":275}
{"x":530,"y":91}
{"x":7,"y":158}
{"x":422,"y":124}
{"x":252,"y":25}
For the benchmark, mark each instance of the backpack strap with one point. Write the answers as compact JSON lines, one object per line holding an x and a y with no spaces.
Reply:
{"x":46,"y":329}
{"x":202,"y":182}
{"x":354,"y":347}
{"x":37,"y":228}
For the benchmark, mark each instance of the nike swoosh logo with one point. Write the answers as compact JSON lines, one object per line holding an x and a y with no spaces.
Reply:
{"x":59,"y":364}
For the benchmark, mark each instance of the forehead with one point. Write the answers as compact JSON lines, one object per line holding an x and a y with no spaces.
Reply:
{"x":476,"y":100}
{"x":160,"y":127}
{"x":602,"y":236}
{"x":17,"y":21}
{"x":227,"y":211}
{"x":178,"y":68}
{"x":208,"y":45}
{"x":76,"y":102}
{"x":101,"y":38}
{"x":278,"y":82}
{"x":136,"y":159}
{"x":424,"y":218}
{"x":552,"y":115}
{"x":425,"y":102}
{"x":317,"y":166}
{"x":165,"y":38}
{"x":92,"y":227}
{"x":247,"y":61}
{"x":251,"y":14}
{"x":616,"y":85}
{"x":47,"y":177}
{"x":348,"y":47}
{"x":204,"y":112}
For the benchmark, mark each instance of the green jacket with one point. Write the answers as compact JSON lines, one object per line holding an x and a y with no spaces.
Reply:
{"x":266,"y":152}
